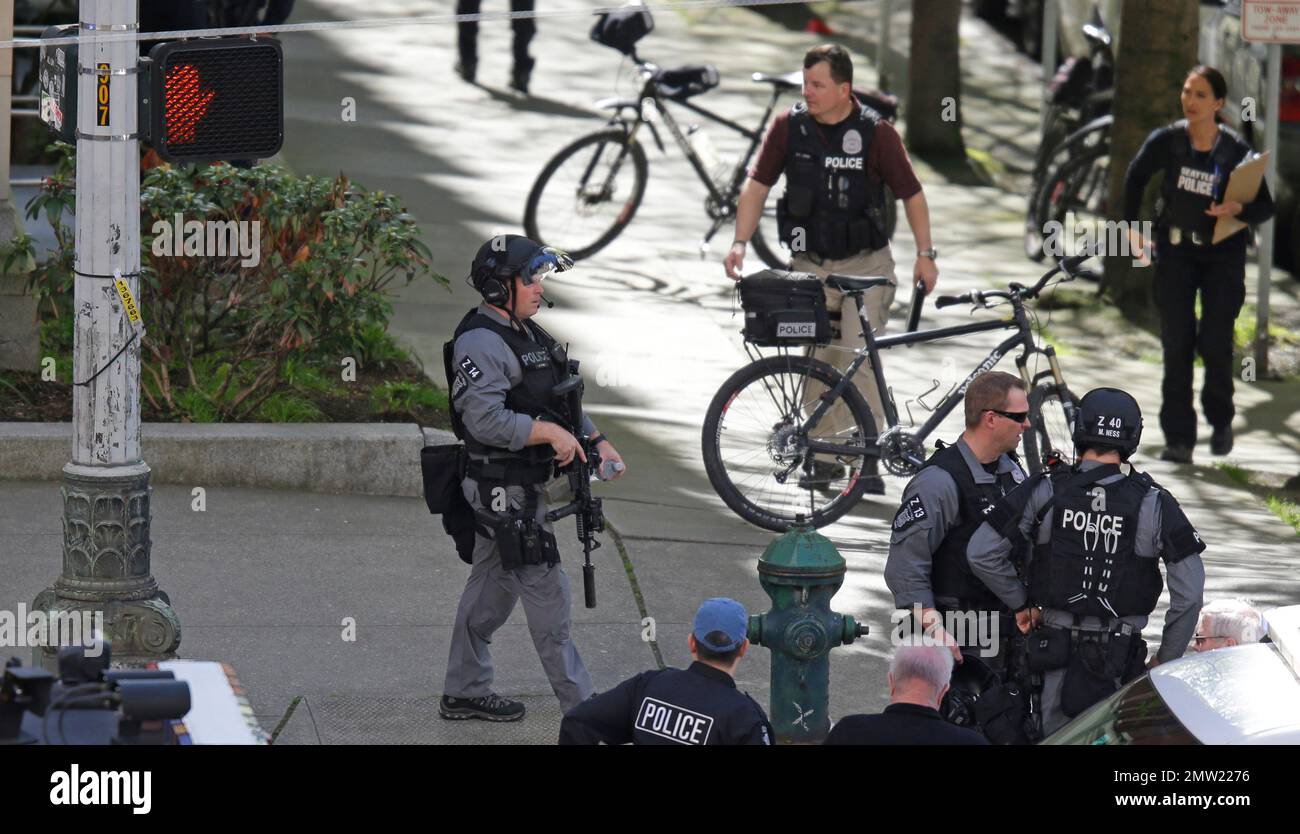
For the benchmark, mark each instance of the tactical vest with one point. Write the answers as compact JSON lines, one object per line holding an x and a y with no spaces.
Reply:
{"x":831,"y":207}
{"x":1193,"y":179}
{"x":951,"y":572}
{"x":1089,"y":566}
{"x":544,"y":364}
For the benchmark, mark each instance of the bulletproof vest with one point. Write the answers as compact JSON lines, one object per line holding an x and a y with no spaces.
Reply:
{"x":1193,"y":179}
{"x":544,"y":364}
{"x":1089,"y":566}
{"x":951,"y":573}
{"x":831,"y":207}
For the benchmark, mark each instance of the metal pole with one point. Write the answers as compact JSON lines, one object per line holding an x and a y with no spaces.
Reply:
{"x":106,"y":491}
{"x":1051,"y":18}
{"x":6,"y":93}
{"x":1273,"y":96}
{"x":882,"y":48}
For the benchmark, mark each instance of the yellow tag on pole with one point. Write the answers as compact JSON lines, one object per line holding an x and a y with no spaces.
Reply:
{"x":128,"y":303}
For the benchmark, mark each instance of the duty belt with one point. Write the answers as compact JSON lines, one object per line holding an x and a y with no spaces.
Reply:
{"x":510,"y":473}
{"x":1177,"y":237}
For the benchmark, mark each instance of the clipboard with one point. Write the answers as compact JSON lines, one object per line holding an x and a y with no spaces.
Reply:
{"x":1243,"y":187}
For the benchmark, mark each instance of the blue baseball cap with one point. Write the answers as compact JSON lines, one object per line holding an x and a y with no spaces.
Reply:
{"x":721,"y":624}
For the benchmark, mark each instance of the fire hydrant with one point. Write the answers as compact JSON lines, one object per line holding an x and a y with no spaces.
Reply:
{"x":801,"y":571}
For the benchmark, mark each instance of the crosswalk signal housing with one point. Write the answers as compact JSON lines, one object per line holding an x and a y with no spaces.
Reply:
{"x":216,"y":98}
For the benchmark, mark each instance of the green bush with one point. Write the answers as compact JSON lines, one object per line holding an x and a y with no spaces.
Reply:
{"x":223,"y":339}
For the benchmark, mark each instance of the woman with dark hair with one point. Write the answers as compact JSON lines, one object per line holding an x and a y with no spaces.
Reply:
{"x":1197,"y":154}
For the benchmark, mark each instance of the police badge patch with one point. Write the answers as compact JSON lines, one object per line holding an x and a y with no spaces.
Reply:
{"x":852,"y":141}
{"x":912,"y":511}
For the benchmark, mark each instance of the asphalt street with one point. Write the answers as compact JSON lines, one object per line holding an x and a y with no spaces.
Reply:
{"x":264,"y":579}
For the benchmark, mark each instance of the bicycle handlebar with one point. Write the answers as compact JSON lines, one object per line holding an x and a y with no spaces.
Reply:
{"x":980,"y":298}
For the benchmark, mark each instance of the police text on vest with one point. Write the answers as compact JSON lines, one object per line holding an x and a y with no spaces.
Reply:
{"x":673,"y":722}
{"x":853,"y":163}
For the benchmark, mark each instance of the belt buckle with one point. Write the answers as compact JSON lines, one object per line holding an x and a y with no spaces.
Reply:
{"x":1175,"y":235}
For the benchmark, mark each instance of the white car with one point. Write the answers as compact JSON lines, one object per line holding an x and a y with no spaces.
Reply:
{"x":1247,"y":694}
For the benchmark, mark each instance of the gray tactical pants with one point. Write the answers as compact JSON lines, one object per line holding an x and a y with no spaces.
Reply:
{"x":490,"y":596}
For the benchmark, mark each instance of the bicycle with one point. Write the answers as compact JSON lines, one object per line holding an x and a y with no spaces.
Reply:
{"x":1079,"y":184}
{"x":601,"y":177}
{"x":775,"y":461}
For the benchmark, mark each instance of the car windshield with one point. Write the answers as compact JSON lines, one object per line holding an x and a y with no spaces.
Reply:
{"x":1134,"y":715}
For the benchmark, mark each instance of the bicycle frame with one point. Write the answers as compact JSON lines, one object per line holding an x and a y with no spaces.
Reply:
{"x":1022,"y":338}
{"x":650,"y":92}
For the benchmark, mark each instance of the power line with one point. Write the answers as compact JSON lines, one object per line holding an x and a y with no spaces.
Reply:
{"x":385,"y":22}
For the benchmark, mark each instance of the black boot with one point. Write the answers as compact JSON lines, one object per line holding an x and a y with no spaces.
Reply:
{"x":519,"y":76}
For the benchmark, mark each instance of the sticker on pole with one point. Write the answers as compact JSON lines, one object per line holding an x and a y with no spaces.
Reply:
{"x":128,"y":303}
{"x":1275,"y":21}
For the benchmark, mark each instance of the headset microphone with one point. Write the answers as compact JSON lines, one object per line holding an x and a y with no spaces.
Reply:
{"x":549,"y":303}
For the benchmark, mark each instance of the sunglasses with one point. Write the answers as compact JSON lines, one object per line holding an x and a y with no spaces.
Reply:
{"x":1201,"y":638}
{"x":1016,"y":416}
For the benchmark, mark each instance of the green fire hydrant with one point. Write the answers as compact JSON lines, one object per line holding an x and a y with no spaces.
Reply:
{"x":801,"y":571}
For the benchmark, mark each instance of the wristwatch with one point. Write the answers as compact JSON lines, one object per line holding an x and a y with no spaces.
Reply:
{"x":932,"y":253}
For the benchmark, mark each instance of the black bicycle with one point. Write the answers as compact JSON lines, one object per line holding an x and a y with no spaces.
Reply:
{"x":786,"y":437}
{"x":590,"y":191}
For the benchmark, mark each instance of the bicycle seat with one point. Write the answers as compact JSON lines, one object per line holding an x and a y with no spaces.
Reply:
{"x":788,"y":81}
{"x":849,"y":283}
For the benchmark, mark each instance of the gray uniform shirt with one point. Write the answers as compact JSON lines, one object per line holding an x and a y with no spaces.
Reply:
{"x":486,"y":370}
{"x":930,"y":508}
{"x":989,"y":555}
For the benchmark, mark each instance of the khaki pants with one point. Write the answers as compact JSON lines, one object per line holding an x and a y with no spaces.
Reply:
{"x":846,"y":331}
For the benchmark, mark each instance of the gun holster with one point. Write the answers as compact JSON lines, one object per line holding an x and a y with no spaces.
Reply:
{"x":519,"y":538}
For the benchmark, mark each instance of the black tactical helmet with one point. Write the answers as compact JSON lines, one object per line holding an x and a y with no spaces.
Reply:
{"x":503,"y":257}
{"x":1109,"y":417}
{"x":969,"y":679}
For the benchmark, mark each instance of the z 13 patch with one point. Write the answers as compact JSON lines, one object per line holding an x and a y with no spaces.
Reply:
{"x":912,"y":511}
{"x":659,"y":718}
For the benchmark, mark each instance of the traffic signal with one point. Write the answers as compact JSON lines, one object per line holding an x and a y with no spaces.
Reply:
{"x":216,"y":98}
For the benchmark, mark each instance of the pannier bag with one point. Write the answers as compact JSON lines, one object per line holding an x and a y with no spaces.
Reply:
{"x":622,"y":28}
{"x":784,"y":308}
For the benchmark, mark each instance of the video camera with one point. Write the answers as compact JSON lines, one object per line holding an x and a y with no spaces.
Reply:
{"x":94,"y":704}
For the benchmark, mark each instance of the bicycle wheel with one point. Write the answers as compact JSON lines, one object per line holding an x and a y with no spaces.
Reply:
{"x":1078,"y":187}
{"x":1052,"y":410}
{"x":587,"y":193}
{"x":757,"y":455}
{"x":1056,"y":126}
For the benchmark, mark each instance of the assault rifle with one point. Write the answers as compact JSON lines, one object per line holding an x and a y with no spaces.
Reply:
{"x":584,"y":508}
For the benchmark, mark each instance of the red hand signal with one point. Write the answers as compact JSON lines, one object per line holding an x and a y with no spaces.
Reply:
{"x":187,"y":103}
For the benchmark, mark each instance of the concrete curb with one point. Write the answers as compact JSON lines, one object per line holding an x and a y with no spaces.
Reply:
{"x":349,"y":458}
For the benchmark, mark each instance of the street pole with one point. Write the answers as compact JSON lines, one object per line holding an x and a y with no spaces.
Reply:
{"x":1273,"y":96}
{"x":105,"y":488}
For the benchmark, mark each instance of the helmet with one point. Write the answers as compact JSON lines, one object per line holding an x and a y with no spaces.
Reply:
{"x":503,"y":257}
{"x":969,"y":679}
{"x":1109,"y":417}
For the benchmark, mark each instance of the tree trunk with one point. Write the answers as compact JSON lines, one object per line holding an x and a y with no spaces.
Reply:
{"x":1149,"y":74}
{"x":934,"y":80}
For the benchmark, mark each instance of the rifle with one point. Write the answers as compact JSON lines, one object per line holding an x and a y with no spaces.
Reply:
{"x":584,"y":508}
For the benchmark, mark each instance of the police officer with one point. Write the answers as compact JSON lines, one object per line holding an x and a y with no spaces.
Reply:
{"x":945,"y":503}
{"x":837,"y":155}
{"x":698,"y":705}
{"x":1196,"y":154}
{"x":1096,"y":535}
{"x":501,"y":370}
